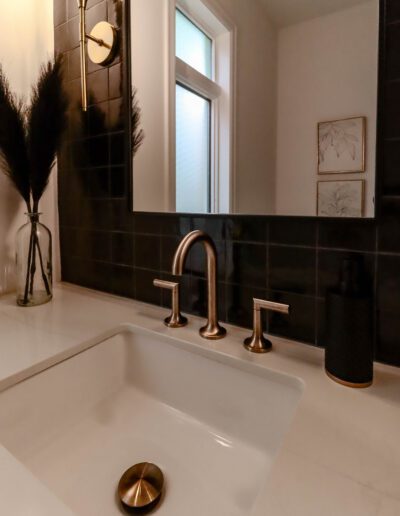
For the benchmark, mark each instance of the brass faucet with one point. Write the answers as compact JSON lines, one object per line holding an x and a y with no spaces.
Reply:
{"x":212,"y":330}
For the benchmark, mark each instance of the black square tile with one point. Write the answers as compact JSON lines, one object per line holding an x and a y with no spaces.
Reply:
{"x":98,"y":151}
{"x":300,"y":323}
{"x":392,"y":11}
{"x":74,"y":64}
{"x":392,"y":45}
{"x":175,"y":225}
{"x":59,"y":12}
{"x":357,"y":234}
{"x":115,"y":81}
{"x":97,"y":116}
{"x":148,"y":223}
{"x":392,"y":115}
{"x":145,"y":290}
{"x":196,"y":261}
{"x":61,"y":41}
{"x":247,"y":229}
{"x":100,"y":182}
{"x":293,"y":231}
{"x":389,"y":233}
{"x":97,"y":83}
{"x":117,"y":181}
{"x":330,"y":265}
{"x":389,"y":283}
{"x":116,"y":115}
{"x":388,"y":345}
{"x":169,"y":244}
{"x":121,"y":215}
{"x":292,"y":269}
{"x":94,"y":245}
{"x":117,"y":149}
{"x":246,"y":264}
{"x":391,"y":168}
{"x":198,"y":298}
{"x":147,"y":251}
{"x":73,"y":33}
{"x":239,"y":303}
{"x":212,"y":225}
{"x":124,"y":281}
{"x":95,"y":13}
{"x":95,"y":275}
{"x":115,"y":12}
{"x":122,"y":249}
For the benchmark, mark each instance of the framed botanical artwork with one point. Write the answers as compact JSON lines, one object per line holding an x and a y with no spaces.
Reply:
{"x":340,"y":198}
{"x":341,"y":146}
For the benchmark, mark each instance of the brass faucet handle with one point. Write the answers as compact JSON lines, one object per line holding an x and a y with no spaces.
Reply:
{"x":176,"y":319}
{"x":270,"y":305}
{"x":257,"y":343}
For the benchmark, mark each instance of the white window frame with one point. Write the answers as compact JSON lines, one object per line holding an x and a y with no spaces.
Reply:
{"x":207,"y":15}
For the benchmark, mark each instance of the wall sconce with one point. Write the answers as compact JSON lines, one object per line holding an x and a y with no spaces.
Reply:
{"x":101,"y":47}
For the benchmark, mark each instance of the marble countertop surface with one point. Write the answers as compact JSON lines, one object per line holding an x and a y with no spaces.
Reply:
{"x":341,"y":456}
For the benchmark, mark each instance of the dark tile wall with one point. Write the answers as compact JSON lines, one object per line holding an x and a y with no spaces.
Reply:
{"x":294,"y":260}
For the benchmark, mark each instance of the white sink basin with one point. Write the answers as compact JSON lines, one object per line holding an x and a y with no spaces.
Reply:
{"x":212,"y":424}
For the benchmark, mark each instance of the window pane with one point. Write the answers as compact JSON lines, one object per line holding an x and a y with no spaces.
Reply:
{"x":192,"y":151}
{"x":192,"y":45}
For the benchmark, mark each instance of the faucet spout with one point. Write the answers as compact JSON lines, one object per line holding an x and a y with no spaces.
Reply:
{"x":212,"y":330}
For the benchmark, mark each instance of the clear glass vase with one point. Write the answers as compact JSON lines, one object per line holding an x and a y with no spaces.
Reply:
{"x":34,"y":263}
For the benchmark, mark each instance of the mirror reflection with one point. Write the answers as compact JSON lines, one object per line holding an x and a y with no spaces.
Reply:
{"x":256,"y":107}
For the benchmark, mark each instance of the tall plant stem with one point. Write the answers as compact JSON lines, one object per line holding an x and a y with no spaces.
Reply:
{"x":28,"y":268}
{"x":45,"y":280}
{"x":33,"y":262}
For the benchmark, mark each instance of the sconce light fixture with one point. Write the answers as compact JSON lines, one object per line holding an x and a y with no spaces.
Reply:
{"x":101,"y":46}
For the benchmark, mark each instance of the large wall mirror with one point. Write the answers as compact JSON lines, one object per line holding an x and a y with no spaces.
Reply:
{"x":255,"y":107}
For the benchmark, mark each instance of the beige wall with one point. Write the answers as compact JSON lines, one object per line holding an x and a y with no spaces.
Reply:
{"x":327,"y":70}
{"x":26,"y":40}
{"x":255,"y":104}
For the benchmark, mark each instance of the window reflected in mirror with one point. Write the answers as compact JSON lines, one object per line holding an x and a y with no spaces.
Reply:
{"x":256,"y":107}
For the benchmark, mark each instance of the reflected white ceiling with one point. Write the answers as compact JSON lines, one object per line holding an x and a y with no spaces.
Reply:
{"x":288,"y":12}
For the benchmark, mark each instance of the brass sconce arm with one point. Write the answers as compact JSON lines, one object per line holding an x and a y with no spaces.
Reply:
{"x":82,"y":41}
{"x":104,"y":35}
{"x":257,"y":343}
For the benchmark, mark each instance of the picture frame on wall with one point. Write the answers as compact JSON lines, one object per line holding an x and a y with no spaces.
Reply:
{"x":340,"y":198}
{"x":341,"y":146}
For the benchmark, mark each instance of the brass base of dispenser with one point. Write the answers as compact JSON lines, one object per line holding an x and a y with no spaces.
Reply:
{"x":348,"y":384}
{"x":140,"y":487}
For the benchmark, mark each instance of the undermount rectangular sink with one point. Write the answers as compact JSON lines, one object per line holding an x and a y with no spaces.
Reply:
{"x":211,"y":423}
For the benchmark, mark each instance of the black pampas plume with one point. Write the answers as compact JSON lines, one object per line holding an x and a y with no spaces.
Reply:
{"x":46,"y":122}
{"x":137,"y":131}
{"x":13,"y":152}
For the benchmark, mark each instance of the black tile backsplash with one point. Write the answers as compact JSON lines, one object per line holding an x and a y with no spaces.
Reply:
{"x":288,"y":259}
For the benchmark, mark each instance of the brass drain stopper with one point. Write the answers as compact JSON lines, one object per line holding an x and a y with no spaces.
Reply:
{"x":141,"y":486}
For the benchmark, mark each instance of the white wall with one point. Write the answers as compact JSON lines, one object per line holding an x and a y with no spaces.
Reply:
{"x":150,"y":75}
{"x":255,"y":105}
{"x":327,"y":70}
{"x":26,"y":40}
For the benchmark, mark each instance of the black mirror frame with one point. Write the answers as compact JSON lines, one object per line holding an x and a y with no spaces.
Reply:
{"x":380,"y":138}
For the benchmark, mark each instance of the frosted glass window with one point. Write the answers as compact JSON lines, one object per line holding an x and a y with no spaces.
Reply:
{"x":192,"y":152}
{"x":193,"y":46}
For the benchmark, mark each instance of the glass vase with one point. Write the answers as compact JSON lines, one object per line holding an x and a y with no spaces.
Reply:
{"x":34,"y":263}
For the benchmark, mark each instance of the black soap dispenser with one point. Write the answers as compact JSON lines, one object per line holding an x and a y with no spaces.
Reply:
{"x":349,"y":328}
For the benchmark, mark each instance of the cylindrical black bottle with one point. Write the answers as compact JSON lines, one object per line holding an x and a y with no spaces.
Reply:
{"x":349,"y":329}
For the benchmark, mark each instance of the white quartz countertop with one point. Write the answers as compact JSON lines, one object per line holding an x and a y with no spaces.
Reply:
{"x":341,"y":456}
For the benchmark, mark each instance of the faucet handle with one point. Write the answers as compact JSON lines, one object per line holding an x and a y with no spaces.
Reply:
{"x":257,"y":343}
{"x":176,"y":319}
